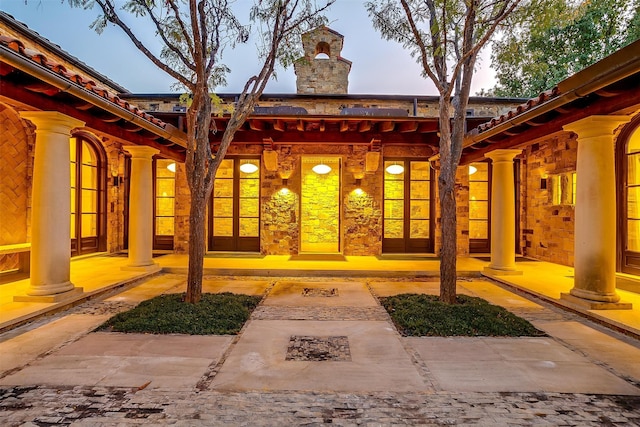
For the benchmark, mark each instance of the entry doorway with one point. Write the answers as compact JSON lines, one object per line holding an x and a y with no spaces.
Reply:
{"x":408,"y":212}
{"x":479,"y":207}
{"x":320,"y":207}
{"x":88,"y":196}
{"x":234,"y":212}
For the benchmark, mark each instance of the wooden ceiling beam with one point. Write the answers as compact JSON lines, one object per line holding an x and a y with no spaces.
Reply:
{"x":408,"y":126}
{"x":364,"y":126}
{"x":386,"y":126}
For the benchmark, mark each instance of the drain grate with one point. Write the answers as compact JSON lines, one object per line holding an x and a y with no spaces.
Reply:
{"x":320,"y":292}
{"x":318,"y":349}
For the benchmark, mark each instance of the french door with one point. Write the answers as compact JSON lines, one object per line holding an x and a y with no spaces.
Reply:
{"x":408,"y":208}
{"x":87,"y":165}
{"x":234,"y":219}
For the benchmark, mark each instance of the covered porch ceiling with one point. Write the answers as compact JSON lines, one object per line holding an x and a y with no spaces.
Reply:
{"x":608,"y":87}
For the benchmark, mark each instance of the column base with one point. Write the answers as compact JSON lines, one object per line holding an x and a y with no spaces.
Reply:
{"x":595,"y":305}
{"x":150,"y":268}
{"x":500,"y":272}
{"x":74,"y":292}
{"x":49,"y":289}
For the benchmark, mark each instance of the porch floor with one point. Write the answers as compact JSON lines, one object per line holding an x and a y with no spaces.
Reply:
{"x":101,"y":276}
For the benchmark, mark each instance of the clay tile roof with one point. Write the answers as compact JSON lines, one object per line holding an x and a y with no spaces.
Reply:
{"x":41,"y":59}
{"x":531,"y":103}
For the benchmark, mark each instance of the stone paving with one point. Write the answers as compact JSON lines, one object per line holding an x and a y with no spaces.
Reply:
{"x":77,"y":406}
{"x":315,"y":327}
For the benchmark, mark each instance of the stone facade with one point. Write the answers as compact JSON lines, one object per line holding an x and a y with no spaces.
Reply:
{"x":322,"y":70}
{"x":415,"y":106}
{"x":16,"y":171}
{"x":547,"y":227}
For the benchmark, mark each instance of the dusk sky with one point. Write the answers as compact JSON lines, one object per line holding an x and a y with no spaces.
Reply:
{"x":379,"y":66}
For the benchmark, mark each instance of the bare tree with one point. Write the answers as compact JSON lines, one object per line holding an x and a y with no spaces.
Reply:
{"x":195,"y":34}
{"x":445,"y":36}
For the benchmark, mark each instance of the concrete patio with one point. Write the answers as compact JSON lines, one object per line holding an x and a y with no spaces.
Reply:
{"x":60,"y":352}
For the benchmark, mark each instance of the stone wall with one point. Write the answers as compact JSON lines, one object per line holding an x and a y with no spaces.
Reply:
{"x":16,"y":170}
{"x":328,"y":74}
{"x":362,"y":206}
{"x":281,"y":205}
{"x":547,"y":229}
{"x":324,"y":105}
{"x":115,"y":196}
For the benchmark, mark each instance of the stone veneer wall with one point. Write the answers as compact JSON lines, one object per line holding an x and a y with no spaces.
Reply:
{"x":115,"y":196}
{"x":279,"y":234}
{"x":16,"y":171}
{"x":362,"y":210}
{"x":322,"y":75}
{"x":182,"y":207}
{"x":333,"y":106}
{"x":547,"y":229}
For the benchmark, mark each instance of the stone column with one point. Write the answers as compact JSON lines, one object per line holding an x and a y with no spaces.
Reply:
{"x":595,"y":216}
{"x":50,"y":204}
{"x":503,"y":213}
{"x":141,"y":208}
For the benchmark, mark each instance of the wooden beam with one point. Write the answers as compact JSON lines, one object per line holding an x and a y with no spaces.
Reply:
{"x":300,"y":126}
{"x":364,"y":126}
{"x":386,"y":126}
{"x":428,"y":127}
{"x":408,"y":126}
{"x":256,"y":125}
{"x":279,"y":125}
{"x":344,"y":126}
{"x":322,"y":125}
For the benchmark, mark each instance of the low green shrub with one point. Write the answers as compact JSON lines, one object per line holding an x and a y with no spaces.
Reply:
{"x":426,"y":315}
{"x":215,"y":314}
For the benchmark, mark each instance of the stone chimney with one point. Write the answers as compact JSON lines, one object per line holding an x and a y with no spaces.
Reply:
{"x":322,"y":70}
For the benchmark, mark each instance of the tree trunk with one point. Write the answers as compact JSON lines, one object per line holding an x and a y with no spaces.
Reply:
{"x":448,"y":252}
{"x":197,"y":216}
{"x":447,"y":194}
{"x":200,"y":179}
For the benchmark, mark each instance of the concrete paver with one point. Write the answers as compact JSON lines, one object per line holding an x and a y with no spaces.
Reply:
{"x":378,"y":360}
{"x":514,"y":364}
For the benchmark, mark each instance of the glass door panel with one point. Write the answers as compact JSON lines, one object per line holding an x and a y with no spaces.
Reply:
{"x":479,"y":207}
{"x":234,"y":223}
{"x":164,"y":206}
{"x":407,"y":217}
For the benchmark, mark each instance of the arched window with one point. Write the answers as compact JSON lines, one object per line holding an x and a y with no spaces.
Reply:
{"x":629,"y":203}
{"x":87,"y":195}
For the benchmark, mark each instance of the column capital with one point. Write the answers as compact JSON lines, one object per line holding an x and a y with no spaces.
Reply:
{"x":141,"y":151}
{"x":502,"y":155}
{"x":594,"y":126}
{"x":51,"y":121}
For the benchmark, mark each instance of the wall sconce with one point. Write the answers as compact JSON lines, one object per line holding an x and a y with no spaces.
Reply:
{"x":543,"y":183}
{"x":116,"y":181}
{"x":285,"y":182}
{"x":358,"y":182}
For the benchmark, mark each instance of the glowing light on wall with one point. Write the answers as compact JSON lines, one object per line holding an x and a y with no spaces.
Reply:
{"x":172,"y":167}
{"x":248,"y":167}
{"x":472,"y":169}
{"x":321,"y":169}
{"x":395,"y":169}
